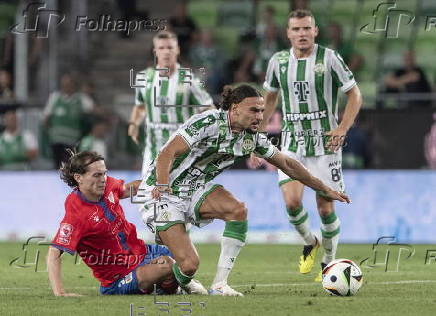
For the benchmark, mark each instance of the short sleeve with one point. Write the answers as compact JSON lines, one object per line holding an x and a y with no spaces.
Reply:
{"x":140,"y":82}
{"x":271,"y":83}
{"x":198,"y":127}
{"x":341,"y":73}
{"x":264,"y":148}
{"x":116,"y":185}
{"x":50,"y":103}
{"x":199,"y":95}
{"x":30,"y":141}
{"x":70,"y":231}
{"x":87,"y":103}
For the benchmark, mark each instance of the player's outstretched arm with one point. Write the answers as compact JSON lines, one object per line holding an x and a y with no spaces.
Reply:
{"x":130,"y":188}
{"x":54,"y":262}
{"x":176,"y":147}
{"x":297,"y":171}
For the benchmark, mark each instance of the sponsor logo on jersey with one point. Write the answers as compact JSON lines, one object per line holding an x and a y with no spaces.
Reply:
{"x":294,"y":117}
{"x":111,"y":198}
{"x":301,"y":90}
{"x":65,"y":232}
{"x":95,"y":218}
{"x":128,"y":278}
{"x":335,"y":164}
{"x":162,"y":100}
{"x":195,"y":127}
{"x":164,"y":216}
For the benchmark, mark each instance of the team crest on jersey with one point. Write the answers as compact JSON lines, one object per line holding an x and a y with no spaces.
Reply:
{"x":319,"y":69}
{"x":282,"y":68}
{"x":248,"y":145}
{"x":65,"y":232}
{"x":111,"y":198}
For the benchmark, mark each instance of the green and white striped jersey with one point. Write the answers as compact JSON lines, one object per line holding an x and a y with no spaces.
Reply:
{"x":309,"y":88}
{"x":181,"y":89}
{"x":213,"y":148}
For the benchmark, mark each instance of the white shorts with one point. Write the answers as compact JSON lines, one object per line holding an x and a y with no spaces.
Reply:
{"x":327,"y":168}
{"x":171,"y":209}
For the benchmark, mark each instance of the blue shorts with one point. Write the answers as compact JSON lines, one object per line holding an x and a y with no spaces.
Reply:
{"x":129,"y":283}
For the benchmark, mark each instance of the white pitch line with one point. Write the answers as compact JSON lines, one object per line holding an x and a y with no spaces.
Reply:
{"x":317,"y":283}
{"x":249,"y":285}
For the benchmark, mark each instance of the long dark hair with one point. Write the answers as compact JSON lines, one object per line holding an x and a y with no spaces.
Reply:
{"x":77,"y":163}
{"x":236,"y":95}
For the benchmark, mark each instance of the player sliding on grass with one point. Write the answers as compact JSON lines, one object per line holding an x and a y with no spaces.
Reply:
{"x":309,"y":77}
{"x":178,"y":187}
{"x":94,"y":226}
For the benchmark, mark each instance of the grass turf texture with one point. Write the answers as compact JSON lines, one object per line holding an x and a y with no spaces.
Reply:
{"x":267,"y":274}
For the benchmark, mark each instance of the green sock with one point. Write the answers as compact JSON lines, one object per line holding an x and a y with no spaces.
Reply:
{"x":236,"y":230}
{"x":181,"y":278}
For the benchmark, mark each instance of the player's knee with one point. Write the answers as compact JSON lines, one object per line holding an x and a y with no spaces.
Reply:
{"x":189,"y":265}
{"x":293,"y":203}
{"x":239,"y":212}
{"x":325,"y":207}
{"x":324,"y":210}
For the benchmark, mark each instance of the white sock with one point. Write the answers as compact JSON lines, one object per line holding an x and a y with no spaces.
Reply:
{"x":300,"y":219}
{"x":330,"y":228}
{"x":230,"y":249}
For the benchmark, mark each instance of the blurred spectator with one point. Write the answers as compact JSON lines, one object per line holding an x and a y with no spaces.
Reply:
{"x":64,"y":117}
{"x":17,"y":148}
{"x":267,"y":19}
{"x":269,"y":43}
{"x":335,"y":40}
{"x":87,"y":89}
{"x":96,"y":141}
{"x":409,"y":79}
{"x":430,"y":145}
{"x":206,"y":54}
{"x":356,"y":153}
{"x":130,"y":12}
{"x":184,"y":27}
{"x":300,"y":5}
{"x":241,"y":68}
{"x":6,"y":85}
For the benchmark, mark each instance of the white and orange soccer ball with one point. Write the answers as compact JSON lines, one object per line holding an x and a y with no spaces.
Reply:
{"x":342,"y":277}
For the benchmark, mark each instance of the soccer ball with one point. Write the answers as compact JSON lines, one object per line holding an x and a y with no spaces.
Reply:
{"x":342,"y":277}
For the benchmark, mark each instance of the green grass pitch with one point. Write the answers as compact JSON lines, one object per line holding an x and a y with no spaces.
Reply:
{"x":267,"y":274}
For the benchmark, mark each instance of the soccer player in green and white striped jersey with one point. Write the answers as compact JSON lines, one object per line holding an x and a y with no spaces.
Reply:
{"x":166,"y":84}
{"x":309,"y":77}
{"x":202,"y":148}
